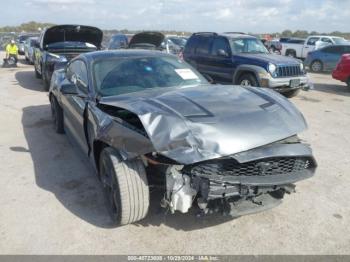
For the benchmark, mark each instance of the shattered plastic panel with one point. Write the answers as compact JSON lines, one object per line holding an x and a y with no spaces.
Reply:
{"x":204,"y":122}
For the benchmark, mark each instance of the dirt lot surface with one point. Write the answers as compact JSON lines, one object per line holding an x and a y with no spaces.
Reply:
{"x":51,"y":201}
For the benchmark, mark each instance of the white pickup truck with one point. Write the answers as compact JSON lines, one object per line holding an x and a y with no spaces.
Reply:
{"x":300,"y":50}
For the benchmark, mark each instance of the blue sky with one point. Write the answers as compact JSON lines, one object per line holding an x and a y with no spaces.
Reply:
{"x":254,"y":16}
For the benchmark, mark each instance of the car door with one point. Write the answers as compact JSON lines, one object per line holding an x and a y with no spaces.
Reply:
{"x":75,"y":105}
{"x":220,"y":62}
{"x":332,"y":56}
{"x":309,"y":46}
{"x":202,"y":54}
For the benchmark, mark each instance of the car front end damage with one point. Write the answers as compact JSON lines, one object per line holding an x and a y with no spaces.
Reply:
{"x":236,"y":158}
{"x":240,"y":184}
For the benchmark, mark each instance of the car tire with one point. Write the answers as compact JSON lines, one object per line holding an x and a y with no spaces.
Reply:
{"x":57,"y":115}
{"x":46,"y":82}
{"x":291,"y":93}
{"x":316,"y":66}
{"x":37,"y":74}
{"x":291,"y":53}
{"x":125,"y":186}
{"x":248,"y":79}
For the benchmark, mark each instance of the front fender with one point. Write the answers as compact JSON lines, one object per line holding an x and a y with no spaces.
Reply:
{"x":256,"y":70}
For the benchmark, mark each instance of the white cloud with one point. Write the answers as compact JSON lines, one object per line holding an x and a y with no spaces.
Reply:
{"x":189,"y":15}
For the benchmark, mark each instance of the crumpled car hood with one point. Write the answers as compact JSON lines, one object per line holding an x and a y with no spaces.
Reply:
{"x":204,"y":122}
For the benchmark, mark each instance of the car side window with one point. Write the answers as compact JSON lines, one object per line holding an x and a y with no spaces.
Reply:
{"x":326,"y":40}
{"x":334,"y":49}
{"x":220,"y":43}
{"x":312,"y":40}
{"x":77,"y":74}
{"x":203,"y":47}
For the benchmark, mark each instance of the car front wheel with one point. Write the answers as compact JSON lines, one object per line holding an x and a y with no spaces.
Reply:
{"x":125,"y":186}
{"x":57,"y":115}
{"x":248,"y":80}
{"x":316,"y":66}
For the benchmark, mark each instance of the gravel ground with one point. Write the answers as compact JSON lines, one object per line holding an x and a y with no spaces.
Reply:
{"x":51,"y":201}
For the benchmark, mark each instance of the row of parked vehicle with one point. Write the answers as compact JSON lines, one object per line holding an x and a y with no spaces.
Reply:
{"x":320,"y":53}
{"x":147,"y":118}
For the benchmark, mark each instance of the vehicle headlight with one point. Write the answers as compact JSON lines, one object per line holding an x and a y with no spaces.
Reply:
{"x":56,"y":58}
{"x":272,"y":69}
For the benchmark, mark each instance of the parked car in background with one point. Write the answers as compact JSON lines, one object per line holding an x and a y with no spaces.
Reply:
{"x":326,"y":58}
{"x":21,"y":41}
{"x":118,"y":41}
{"x":148,"y":119}
{"x":156,"y":41}
{"x":342,"y":70}
{"x":29,"y":46}
{"x":274,"y":46}
{"x":59,"y":44}
{"x":301,"y":49}
{"x":243,"y":60}
{"x":284,"y":39}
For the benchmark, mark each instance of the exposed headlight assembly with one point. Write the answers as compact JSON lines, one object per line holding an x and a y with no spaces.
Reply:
{"x":272,"y":69}
{"x":56,"y":58}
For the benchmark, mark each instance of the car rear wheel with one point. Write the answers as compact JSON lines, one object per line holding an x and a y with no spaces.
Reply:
{"x":316,"y":66}
{"x":291,"y":53}
{"x":248,"y":80}
{"x":125,"y":186}
{"x":57,"y":115}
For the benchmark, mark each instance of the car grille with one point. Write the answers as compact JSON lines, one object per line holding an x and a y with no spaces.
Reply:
{"x":286,"y":71}
{"x":266,"y":167}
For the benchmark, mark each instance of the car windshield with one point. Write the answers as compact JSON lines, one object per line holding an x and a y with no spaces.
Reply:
{"x":339,"y":40}
{"x":178,"y":41}
{"x":247,"y":45}
{"x":131,"y":74}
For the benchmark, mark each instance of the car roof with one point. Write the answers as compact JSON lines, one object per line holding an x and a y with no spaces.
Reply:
{"x":236,"y":35}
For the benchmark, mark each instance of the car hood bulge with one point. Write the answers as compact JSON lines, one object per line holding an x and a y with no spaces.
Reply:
{"x":205,"y":122}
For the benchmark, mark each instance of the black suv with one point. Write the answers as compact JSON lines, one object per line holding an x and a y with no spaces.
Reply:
{"x":59,"y":44}
{"x":243,"y":59}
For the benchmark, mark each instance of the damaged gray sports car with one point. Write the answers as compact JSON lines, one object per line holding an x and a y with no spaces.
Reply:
{"x":146,"y":118}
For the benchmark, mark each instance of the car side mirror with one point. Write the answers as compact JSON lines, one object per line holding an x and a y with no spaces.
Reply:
{"x":69,"y":89}
{"x":222,"y":52}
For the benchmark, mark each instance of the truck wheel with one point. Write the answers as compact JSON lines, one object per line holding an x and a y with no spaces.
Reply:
{"x":57,"y":115}
{"x":291,"y":53}
{"x":126,"y":187}
{"x":248,"y":79}
{"x":316,"y":66}
{"x":291,"y":93}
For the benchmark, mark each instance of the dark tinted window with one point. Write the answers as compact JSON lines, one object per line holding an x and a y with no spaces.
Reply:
{"x":220,"y":43}
{"x":334,"y":49}
{"x":296,"y":41}
{"x":77,"y":73}
{"x":312,"y":40}
{"x":204,"y":45}
{"x":346,"y":49}
{"x":191,"y":44}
